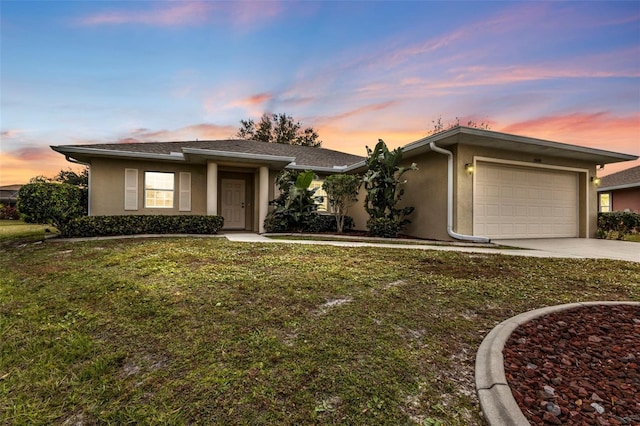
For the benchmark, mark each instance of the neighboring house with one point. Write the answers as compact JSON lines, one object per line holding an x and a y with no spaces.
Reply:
{"x":9,"y":194}
{"x":470,"y":182}
{"x":620,"y":191}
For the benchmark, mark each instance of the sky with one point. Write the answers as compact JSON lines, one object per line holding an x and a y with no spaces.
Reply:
{"x":84,"y":72}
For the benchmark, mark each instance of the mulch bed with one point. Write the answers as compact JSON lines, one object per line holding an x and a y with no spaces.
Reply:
{"x":577,"y":367}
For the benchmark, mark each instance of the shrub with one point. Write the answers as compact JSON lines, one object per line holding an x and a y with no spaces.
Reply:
{"x":296,"y":205}
{"x":618,"y":224}
{"x":342,"y":191}
{"x":51,"y":203}
{"x":327,"y":223}
{"x":9,"y":213}
{"x":96,"y":226}
{"x":384,"y":227}
{"x":383,"y":182}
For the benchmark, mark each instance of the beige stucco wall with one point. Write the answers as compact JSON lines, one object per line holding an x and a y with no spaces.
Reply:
{"x":358,"y":213}
{"x":463,"y":187}
{"x":426,"y":190}
{"x":107,"y":186}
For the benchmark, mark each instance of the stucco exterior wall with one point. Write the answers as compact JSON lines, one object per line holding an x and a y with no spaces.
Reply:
{"x":463,"y":188}
{"x":426,"y":190}
{"x":107,"y":187}
{"x":358,"y":213}
{"x":623,"y":199}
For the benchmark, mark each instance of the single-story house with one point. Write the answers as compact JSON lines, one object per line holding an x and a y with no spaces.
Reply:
{"x":9,"y":194}
{"x":620,"y":191}
{"x":471,"y":184}
{"x":231,"y":178}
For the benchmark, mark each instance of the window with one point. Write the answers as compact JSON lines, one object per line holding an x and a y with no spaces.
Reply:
{"x":158,"y":190}
{"x":605,"y":202}
{"x":322,"y":206}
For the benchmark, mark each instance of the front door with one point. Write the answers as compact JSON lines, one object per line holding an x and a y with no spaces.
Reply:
{"x":232,"y":203}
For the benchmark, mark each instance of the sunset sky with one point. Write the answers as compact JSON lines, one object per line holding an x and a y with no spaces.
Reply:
{"x":76,"y":72}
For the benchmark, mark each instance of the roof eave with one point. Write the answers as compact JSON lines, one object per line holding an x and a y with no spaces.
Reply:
{"x":616,"y":187}
{"x":83,"y":154}
{"x":210,"y":154}
{"x":453,"y":136}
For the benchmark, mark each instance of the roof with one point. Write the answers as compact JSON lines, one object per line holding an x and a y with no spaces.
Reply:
{"x":628,"y":178}
{"x":491,"y":139}
{"x":327,"y":160}
{"x":230,"y":150}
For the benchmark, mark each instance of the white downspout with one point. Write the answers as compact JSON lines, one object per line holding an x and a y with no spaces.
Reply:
{"x":450,"y":230}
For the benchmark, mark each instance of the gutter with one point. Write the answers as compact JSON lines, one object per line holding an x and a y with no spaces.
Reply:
{"x":450,"y":230}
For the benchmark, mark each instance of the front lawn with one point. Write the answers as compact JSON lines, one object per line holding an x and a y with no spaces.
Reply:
{"x":16,"y":231}
{"x":205,"y":331}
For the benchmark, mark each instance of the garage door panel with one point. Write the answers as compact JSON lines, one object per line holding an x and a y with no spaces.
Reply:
{"x":518,"y":202}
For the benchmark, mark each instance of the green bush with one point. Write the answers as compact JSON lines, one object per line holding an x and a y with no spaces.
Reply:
{"x":52,"y":203}
{"x":618,"y":224}
{"x":276,"y":222}
{"x":96,"y":226}
{"x":327,"y":223}
{"x":384,"y":182}
{"x":384,"y":227}
{"x":297,"y":204}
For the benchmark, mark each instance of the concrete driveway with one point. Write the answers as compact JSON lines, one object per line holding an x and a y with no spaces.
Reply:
{"x":591,"y":248}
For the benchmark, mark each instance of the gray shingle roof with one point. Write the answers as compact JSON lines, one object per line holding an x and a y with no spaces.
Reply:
{"x":304,"y":155}
{"x":624,"y":178}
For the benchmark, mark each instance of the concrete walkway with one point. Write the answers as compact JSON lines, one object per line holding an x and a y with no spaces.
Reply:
{"x":589,"y":248}
{"x":577,"y":248}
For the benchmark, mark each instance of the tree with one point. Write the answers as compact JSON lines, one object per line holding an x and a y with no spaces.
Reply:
{"x":342,"y":191}
{"x":53,"y":203}
{"x":383,"y":182}
{"x":278,"y":128}
{"x":69,"y":176}
{"x":439,"y":126}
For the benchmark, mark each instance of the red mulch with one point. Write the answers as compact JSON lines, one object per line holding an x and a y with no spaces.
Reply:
{"x":577,"y":367}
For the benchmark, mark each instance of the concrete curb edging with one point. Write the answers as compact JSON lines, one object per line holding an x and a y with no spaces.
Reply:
{"x":496,"y":400}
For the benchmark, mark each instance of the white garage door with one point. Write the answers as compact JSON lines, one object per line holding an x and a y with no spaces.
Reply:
{"x":521,"y":202}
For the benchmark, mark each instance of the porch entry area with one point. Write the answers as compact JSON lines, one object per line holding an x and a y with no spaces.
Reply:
{"x":233,"y":203}
{"x":239,"y":195}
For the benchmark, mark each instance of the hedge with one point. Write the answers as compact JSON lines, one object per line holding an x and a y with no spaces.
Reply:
{"x":98,"y":226}
{"x":384,"y":227}
{"x":620,"y":223}
{"x":317,"y":223}
{"x":327,"y":223}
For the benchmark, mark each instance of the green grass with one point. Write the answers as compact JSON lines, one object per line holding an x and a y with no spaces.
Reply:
{"x":16,"y":231}
{"x":206,"y":331}
{"x":632,"y":237}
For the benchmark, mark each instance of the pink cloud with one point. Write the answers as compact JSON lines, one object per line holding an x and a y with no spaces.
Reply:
{"x":601,"y":130}
{"x":359,"y":111}
{"x":11,"y":133}
{"x":21,"y":165}
{"x":201,"y":131}
{"x":182,"y":13}
{"x":169,"y":14}
{"x":253,"y":100}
